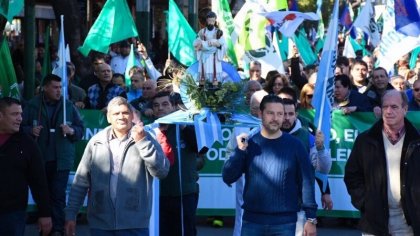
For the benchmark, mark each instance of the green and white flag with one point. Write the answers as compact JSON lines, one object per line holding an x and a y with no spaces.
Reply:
{"x":180,"y":36}
{"x":8,"y":82}
{"x":113,"y":24}
{"x":225,"y":20}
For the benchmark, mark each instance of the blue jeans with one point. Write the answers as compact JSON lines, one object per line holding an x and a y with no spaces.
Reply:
{"x":252,"y":229}
{"x":13,"y":223}
{"x":57,"y":185}
{"x":122,"y":232}
{"x":170,"y":215}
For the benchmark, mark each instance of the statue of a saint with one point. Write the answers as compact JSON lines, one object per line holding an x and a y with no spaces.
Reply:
{"x":211,"y":49}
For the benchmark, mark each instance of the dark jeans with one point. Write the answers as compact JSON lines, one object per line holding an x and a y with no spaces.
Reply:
{"x":57,"y":184}
{"x":252,"y":229}
{"x":13,"y":223}
{"x":122,"y":232}
{"x":170,"y":215}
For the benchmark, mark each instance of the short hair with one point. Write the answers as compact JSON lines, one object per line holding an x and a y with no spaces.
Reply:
{"x":403,"y":95}
{"x":8,"y":102}
{"x":249,"y":82}
{"x":287,"y":101}
{"x":344,"y":79}
{"x":342,"y":61}
{"x":381,"y":68}
{"x":118,"y":101}
{"x":271,"y":98}
{"x":164,"y":94}
{"x":97,"y":56}
{"x":255,"y":63}
{"x":258,"y":96}
{"x":50,"y":77}
{"x":359,"y":62}
{"x":394,"y":77}
{"x":135,"y":69}
{"x":291,"y":92}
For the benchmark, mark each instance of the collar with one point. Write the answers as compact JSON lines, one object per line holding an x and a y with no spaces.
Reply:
{"x":394,"y":137}
{"x":112,"y":135}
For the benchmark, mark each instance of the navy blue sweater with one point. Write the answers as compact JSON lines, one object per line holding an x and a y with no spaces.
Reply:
{"x":274,"y":169}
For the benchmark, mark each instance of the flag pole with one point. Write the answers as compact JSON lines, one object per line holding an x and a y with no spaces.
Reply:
{"x":63,"y":72}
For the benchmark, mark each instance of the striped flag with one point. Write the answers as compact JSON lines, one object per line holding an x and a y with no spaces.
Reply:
{"x":208,"y":129}
{"x":324,"y":87}
{"x":61,"y":69}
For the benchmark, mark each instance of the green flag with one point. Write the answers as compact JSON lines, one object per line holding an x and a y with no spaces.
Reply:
{"x":113,"y":24}
{"x":10,"y":8}
{"x":180,"y":36}
{"x":225,"y":20}
{"x":4,"y":7}
{"x":304,"y":47}
{"x":132,"y":62}
{"x":8,"y":83}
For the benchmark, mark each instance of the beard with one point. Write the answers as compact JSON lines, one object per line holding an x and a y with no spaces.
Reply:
{"x":210,"y":27}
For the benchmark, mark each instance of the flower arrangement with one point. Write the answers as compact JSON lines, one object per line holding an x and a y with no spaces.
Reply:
{"x":222,"y":97}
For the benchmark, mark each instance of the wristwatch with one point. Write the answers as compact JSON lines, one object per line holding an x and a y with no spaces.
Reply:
{"x":313,"y":221}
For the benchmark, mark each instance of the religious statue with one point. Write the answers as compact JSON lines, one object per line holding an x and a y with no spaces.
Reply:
{"x":211,"y":49}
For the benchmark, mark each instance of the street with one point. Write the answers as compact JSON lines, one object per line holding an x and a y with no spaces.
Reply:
{"x":329,"y":227}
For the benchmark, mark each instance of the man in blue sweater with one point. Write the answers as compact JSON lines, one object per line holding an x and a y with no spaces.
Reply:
{"x":275,"y":165}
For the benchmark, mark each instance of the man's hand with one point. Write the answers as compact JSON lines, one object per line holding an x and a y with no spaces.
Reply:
{"x":309,"y":229}
{"x":67,"y":130}
{"x":80,"y":105}
{"x":327,"y":202}
{"x":242,"y":141}
{"x":142,"y":51}
{"x":148,"y":112}
{"x":348,"y":110}
{"x":319,"y":140}
{"x":70,"y":228}
{"x":137,"y":132}
{"x":214,"y":43}
{"x":36,"y":130}
{"x":45,"y":225}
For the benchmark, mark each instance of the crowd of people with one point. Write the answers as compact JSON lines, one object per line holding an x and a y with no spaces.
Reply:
{"x":273,"y":165}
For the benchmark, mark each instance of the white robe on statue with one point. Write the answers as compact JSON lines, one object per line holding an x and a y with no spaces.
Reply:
{"x":210,"y":57}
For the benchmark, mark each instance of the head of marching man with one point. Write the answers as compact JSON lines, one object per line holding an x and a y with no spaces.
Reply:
{"x":394,"y":109}
{"x":10,"y":115}
{"x":120,"y":115}
{"x":272,"y":116}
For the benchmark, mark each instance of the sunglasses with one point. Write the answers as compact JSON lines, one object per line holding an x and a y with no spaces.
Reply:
{"x":309,"y":95}
{"x":416,"y":89}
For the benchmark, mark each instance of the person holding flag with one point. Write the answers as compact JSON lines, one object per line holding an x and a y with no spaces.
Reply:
{"x":43,"y":119}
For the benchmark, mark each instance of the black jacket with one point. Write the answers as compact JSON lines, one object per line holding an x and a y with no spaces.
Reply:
{"x":22,"y":166}
{"x":366,"y":180}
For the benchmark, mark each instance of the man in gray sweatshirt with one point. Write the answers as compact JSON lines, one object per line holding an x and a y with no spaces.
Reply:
{"x":117,"y":168}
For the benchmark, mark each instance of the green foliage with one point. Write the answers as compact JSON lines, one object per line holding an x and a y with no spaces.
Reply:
{"x":217,"y":98}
